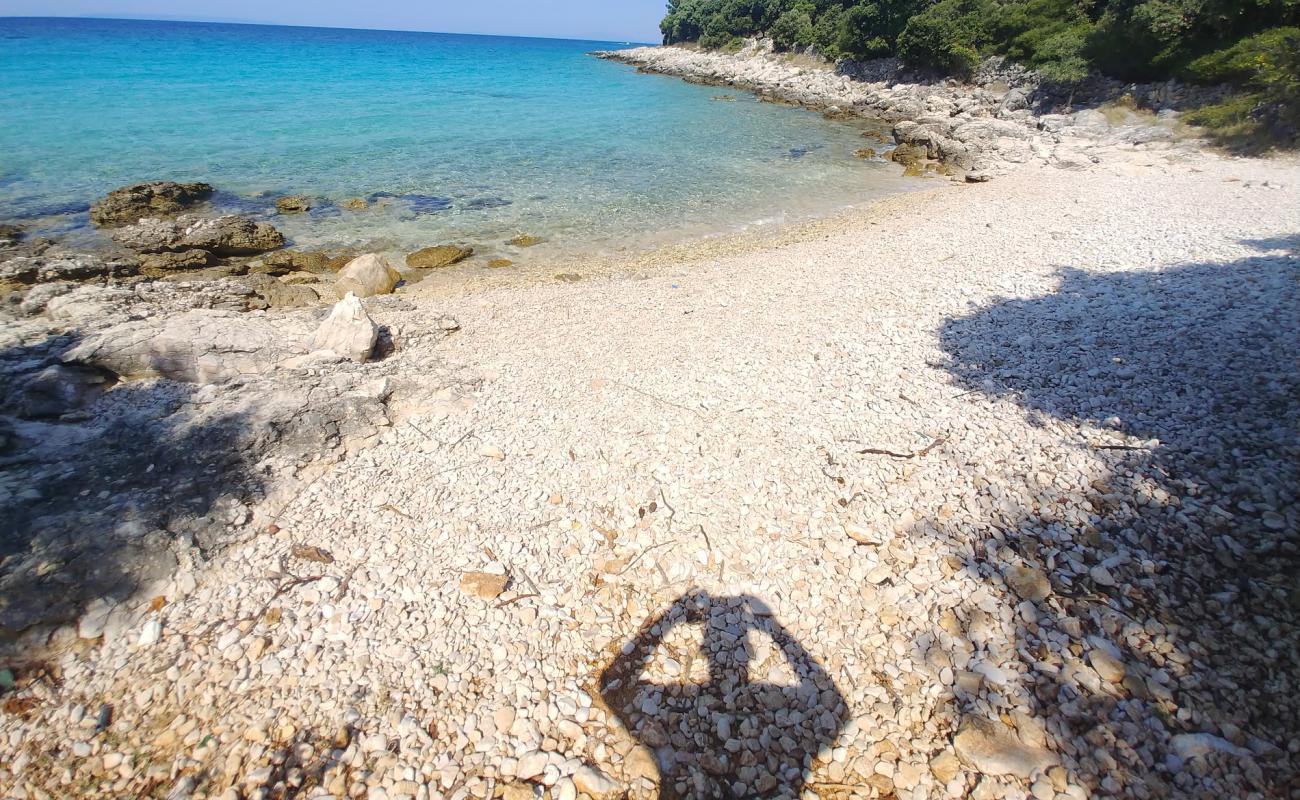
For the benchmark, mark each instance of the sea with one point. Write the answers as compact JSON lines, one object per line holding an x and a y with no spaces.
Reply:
{"x":448,"y":137}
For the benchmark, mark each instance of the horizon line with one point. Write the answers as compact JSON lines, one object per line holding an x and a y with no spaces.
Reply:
{"x":250,"y":23}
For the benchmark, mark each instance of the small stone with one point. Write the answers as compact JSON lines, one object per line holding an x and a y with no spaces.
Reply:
{"x":531,"y":765}
{"x":945,"y":766}
{"x":525,"y":240}
{"x":1029,"y":583}
{"x":150,"y":633}
{"x":640,"y":763}
{"x":1107,"y":666}
{"x":863,"y":534}
{"x":1101,"y":576}
{"x":599,"y":786}
{"x":994,"y":749}
{"x":492,"y":451}
{"x":484,"y":585}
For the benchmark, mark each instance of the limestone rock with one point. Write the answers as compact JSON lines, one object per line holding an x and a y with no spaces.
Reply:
{"x":348,"y":330}
{"x":994,"y":749}
{"x":223,"y":236}
{"x":158,"y":199}
{"x":53,"y":266}
{"x":367,"y":276}
{"x":440,"y":256}
{"x":596,"y":784}
{"x":198,"y":346}
{"x":270,"y":292}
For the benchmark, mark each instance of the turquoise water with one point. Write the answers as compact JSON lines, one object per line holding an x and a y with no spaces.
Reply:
{"x":465,"y":138}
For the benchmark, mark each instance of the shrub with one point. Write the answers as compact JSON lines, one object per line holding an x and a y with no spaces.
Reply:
{"x":944,"y":38}
{"x":794,"y":27}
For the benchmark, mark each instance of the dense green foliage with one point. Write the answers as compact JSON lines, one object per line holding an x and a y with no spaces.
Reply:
{"x":1130,"y":39}
{"x":1250,"y":43}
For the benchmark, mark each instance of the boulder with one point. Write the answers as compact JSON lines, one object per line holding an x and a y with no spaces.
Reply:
{"x":297,"y":261}
{"x":58,"y":389}
{"x":155,"y":264}
{"x":158,"y":199}
{"x":367,"y":276}
{"x":272,"y":292}
{"x":10,"y":234}
{"x":348,"y":331}
{"x":200,"y":346}
{"x":293,"y":204}
{"x":909,"y":155}
{"x":222,"y":236}
{"x":29,"y":270}
{"x":441,"y":256}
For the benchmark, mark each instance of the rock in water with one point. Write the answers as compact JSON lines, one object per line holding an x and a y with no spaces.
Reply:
{"x":994,"y":749}
{"x":367,"y":276}
{"x":526,"y":240}
{"x":294,"y":204}
{"x":348,"y":330}
{"x":441,"y":256}
{"x":159,"y":199}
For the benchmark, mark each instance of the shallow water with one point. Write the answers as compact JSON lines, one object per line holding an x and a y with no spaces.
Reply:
{"x":454,"y":138}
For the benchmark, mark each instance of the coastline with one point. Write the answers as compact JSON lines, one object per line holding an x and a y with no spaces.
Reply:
{"x":934,"y":435}
{"x":975,"y":130}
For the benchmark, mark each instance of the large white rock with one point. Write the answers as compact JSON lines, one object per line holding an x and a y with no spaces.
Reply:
{"x":348,"y":331}
{"x":199,"y":346}
{"x":367,"y":276}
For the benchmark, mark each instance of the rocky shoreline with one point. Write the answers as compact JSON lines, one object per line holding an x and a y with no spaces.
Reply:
{"x":1005,"y":117}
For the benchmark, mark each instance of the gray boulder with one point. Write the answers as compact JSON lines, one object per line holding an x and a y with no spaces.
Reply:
{"x":200,"y":346}
{"x":60,"y":389}
{"x":221,"y":236}
{"x":158,"y":199}
{"x":48,"y":267}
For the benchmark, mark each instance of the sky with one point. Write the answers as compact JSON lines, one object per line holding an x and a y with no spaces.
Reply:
{"x":603,"y":20}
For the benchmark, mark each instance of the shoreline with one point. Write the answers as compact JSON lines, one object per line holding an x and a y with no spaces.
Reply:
{"x":976,"y":130}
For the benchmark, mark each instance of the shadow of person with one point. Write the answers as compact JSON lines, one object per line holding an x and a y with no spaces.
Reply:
{"x":731,"y":736}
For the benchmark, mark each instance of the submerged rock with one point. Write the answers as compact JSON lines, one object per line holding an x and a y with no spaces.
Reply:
{"x":221,"y":236}
{"x":909,"y":155}
{"x":355,"y":204}
{"x":348,"y":331}
{"x":499,"y":263}
{"x":526,"y":240}
{"x":367,"y":276}
{"x":440,"y":256}
{"x":158,"y":199}
{"x":866,"y":153}
{"x":9,"y":235}
{"x":293,"y":204}
{"x":485,"y":203}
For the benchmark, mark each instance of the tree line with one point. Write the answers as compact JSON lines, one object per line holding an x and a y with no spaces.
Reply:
{"x":1254,"y":44}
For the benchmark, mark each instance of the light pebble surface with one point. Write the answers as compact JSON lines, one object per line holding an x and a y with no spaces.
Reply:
{"x":723,"y":422}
